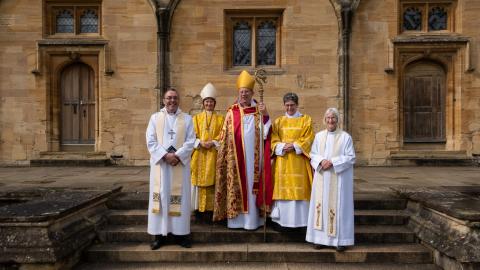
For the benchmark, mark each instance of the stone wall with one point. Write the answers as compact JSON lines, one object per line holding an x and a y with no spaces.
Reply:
{"x":308,"y":64}
{"x":126,"y":99}
{"x":375,"y":102}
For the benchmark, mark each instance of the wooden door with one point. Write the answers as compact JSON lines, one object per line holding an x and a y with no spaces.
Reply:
{"x":77,"y":86}
{"x":424,"y":103}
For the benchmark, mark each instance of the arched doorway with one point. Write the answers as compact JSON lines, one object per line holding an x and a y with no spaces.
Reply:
{"x":77,"y":91}
{"x":424,"y":103}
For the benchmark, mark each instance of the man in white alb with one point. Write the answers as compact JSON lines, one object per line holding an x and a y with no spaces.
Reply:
{"x":170,"y":140}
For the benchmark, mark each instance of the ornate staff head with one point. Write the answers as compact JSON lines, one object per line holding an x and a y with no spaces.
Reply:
{"x":261,"y":79}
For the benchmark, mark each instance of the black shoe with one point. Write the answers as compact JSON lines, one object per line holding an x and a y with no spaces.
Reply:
{"x":184,"y":241}
{"x":319,"y":246}
{"x":159,"y":241}
{"x":341,"y":248}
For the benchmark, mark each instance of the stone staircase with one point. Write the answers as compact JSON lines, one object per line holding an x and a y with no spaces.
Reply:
{"x":382,"y":241}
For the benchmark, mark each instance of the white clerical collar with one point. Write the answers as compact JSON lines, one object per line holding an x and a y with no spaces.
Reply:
{"x":295,"y":115}
{"x":176,"y":113}
{"x":252,"y":104}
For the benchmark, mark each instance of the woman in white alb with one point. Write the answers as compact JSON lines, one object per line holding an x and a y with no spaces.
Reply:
{"x":330,"y":218}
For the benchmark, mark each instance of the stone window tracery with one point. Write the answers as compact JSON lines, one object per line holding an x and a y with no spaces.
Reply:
{"x":427,"y":15}
{"x":72,"y":18}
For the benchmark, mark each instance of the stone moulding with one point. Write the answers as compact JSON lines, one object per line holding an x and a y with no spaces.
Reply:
{"x":51,"y":232}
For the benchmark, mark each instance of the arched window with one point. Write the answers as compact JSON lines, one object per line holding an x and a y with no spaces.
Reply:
{"x":70,"y":18}
{"x":89,"y":21}
{"x":64,"y":21}
{"x":427,"y":15}
{"x":412,"y":19}
{"x":437,"y":18}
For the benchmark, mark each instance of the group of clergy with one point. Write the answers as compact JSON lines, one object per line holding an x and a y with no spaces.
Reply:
{"x":242,"y":168}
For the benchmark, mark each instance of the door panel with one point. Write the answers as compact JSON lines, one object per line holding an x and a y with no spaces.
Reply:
{"x":424,"y":103}
{"x":78,"y":105}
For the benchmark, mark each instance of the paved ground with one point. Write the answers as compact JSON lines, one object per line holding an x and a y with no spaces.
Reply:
{"x":367,"y":179}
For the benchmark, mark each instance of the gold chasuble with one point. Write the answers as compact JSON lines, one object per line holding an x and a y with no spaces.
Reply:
{"x":292,"y":176}
{"x":208,"y":126}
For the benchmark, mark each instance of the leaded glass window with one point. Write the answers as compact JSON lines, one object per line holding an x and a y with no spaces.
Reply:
{"x":427,"y":15}
{"x":266,"y":43}
{"x":437,"y":19}
{"x":89,"y":22}
{"x":412,"y":19}
{"x":64,"y":22}
{"x":242,"y":40}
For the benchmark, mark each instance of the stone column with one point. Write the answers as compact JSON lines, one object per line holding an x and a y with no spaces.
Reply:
{"x":344,"y":10}
{"x":163,"y":22}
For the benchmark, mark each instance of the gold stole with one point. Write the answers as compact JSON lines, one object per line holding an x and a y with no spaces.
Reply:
{"x":174,"y":207}
{"x":333,"y":191}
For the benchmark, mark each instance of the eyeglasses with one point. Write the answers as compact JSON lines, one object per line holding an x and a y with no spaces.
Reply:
{"x":170,"y":98}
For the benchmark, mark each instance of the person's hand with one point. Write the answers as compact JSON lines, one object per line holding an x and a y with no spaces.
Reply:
{"x":262,"y":108}
{"x":172,"y":159}
{"x":207,"y":144}
{"x":288,"y":147}
{"x":326,"y":164}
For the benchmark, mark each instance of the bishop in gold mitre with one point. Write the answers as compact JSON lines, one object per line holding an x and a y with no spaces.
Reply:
{"x":292,"y":137}
{"x":208,"y":125}
{"x":240,"y":178}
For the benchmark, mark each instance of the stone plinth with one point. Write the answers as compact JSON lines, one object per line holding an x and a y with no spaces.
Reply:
{"x":448,"y":220}
{"x":50,"y":228}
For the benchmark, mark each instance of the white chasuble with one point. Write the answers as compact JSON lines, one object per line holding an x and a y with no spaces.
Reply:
{"x":331,"y":212}
{"x":165,"y":215}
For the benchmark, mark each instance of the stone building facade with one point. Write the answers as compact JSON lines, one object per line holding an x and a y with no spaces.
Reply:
{"x":84,"y":76}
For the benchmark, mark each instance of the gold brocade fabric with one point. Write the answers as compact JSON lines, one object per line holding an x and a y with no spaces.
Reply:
{"x":292,"y":173}
{"x":228,"y":201}
{"x":206,"y":196}
{"x":203,"y":165}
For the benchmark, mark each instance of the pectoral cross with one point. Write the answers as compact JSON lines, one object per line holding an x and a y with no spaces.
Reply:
{"x":171,"y":133}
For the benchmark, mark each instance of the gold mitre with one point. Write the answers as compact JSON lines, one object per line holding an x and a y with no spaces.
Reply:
{"x":208,"y":91}
{"x":245,"y":80}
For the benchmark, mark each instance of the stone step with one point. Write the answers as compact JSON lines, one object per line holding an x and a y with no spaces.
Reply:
{"x":219,"y":233}
{"x":432,"y":158}
{"x":71,"y":159}
{"x":369,"y":201}
{"x":259,"y":252}
{"x":255,"y":265}
{"x":362,"y":217}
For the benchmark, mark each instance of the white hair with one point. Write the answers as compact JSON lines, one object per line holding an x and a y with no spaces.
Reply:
{"x":335,"y":113}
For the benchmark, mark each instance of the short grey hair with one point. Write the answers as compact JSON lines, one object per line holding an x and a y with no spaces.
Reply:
{"x":331,"y":110}
{"x":290,"y":97}
{"x":171,"y":89}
